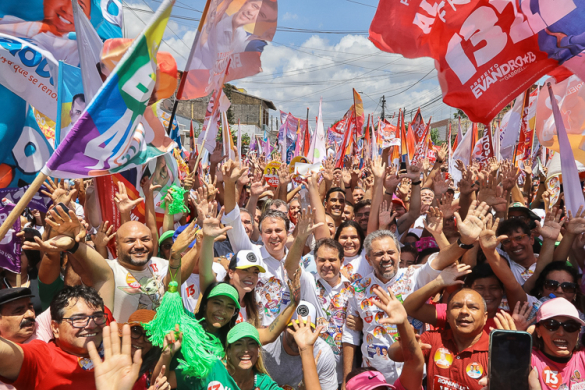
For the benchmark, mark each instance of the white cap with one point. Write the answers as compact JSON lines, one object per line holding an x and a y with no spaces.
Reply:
{"x":246,"y":259}
{"x":304,"y":310}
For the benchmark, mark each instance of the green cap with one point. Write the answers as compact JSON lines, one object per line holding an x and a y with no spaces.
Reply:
{"x":165,"y":235}
{"x":226,"y":290}
{"x":520,"y":206}
{"x":242,"y":330}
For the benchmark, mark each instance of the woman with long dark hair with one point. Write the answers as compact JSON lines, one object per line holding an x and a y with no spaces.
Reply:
{"x":351,"y":237}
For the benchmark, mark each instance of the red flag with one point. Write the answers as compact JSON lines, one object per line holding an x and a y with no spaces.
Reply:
{"x":358,"y":114}
{"x":403,"y":139}
{"x":410,"y":141}
{"x":421,"y":147}
{"x":474,"y":131}
{"x":367,"y":145}
{"x":487,"y":52}
{"x":484,"y":148}
{"x":307,"y":141}
{"x":519,"y":147}
{"x":418,"y":126}
{"x":347,"y":138}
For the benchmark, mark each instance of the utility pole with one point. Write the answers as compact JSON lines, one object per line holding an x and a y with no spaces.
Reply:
{"x":383,"y":106}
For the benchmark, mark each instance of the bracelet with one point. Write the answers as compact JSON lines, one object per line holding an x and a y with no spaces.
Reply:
{"x":415,"y":183}
{"x":388,"y":193}
{"x":74,"y":248}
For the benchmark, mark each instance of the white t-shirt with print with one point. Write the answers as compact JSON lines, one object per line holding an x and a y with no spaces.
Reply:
{"x":138,"y":289}
{"x":190,"y":289}
{"x":520,"y":273}
{"x":377,"y":338}
{"x":357,"y":266}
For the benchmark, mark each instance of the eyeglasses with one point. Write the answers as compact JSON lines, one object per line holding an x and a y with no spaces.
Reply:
{"x":517,"y":239}
{"x":137,"y":332}
{"x":83,"y":321}
{"x":553,"y":325}
{"x":567,"y":287}
{"x":166,"y":247}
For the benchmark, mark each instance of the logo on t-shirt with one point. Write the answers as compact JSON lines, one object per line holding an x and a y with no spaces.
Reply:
{"x":552,"y":379}
{"x":215,"y":385}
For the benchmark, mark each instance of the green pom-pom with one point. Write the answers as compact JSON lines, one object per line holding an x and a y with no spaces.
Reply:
{"x":178,"y":204}
{"x":168,"y":314}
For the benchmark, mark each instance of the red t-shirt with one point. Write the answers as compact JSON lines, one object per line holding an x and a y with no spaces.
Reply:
{"x":448,"y":369}
{"x":46,"y":366}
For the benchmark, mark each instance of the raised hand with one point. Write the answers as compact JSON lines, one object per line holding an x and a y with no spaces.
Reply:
{"x":443,"y":152}
{"x":65,"y":223}
{"x":217,"y":156}
{"x":386,"y":215}
{"x":303,"y":334}
{"x":490,"y":193}
{"x":453,"y":274}
{"x":189,"y":181}
{"x":434,"y":221}
{"x":56,"y":244}
{"x":412,"y":171}
{"x":487,"y":237}
{"x":392,"y":180}
{"x":328,"y":167}
{"x":552,"y":224}
{"x":211,"y":222}
{"x":467,"y":183}
{"x":257,"y":188}
{"x":521,"y":315}
{"x":473,"y":224}
{"x":123,"y":202}
{"x":59,"y":191}
{"x":294,"y":286}
{"x":346,"y":176}
{"x":104,"y":235}
{"x":440,"y":184}
{"x":446,"y":205}
{"x":391,"y":306}
{"x":284,"y":175}
{"x":576,"y":224}
{"x":305,"y":225}
{"x":460,"y":166}
{"x":232,"y":171}
{"x":172,"y":341}
{"x":509,"y":175}
{"x":147,"y":187}
{"x":119,"y":370}
{"x":493,"y":164}
{"x":184,"y":239}
{"x":161,"y":382}
{"x":378,"y":168}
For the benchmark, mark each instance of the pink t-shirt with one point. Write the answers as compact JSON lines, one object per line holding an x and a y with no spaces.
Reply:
{"x":555,"y":376}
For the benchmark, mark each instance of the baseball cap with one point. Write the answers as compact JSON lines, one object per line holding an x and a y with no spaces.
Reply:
{"x":12,"y":294}
{"x":179,"y":231}
{"x":226,"y":290}
{"x":141,"y":316}
{"x":246,"y":259}
{"x":522,"y":207}
{"x":558,"y":307}
{"x":165,"y":235}
{"x":243,"y":330}
{"x":304,"y":309}
{"x":368,"y":380}
{"x":397,"y":201}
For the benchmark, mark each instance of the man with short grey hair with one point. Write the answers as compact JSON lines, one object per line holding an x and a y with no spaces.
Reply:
{"x":383,"y":254}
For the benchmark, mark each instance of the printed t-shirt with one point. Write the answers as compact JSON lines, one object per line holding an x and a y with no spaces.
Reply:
{"x":357,"y":266}
{"x":287,"y":370}
{"x":560,"y":376}
{"x":46,"y":366}
{"x":520,"y":273}
{"x":375,"y":338}
{"x":220,"y":379}
{"x":272,"y":292}
{"x":138,"y":289}
{"x":190,"y":289}
{"x":331,"y":305}
{"x":448,"y":369}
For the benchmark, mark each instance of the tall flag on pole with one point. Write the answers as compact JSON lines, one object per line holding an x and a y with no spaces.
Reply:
{"x":474,"y":130}
{"x":191,"y":136}
{"x":486,"y":52}
{"x":218,"y":103}
{"x":108,"y":137}
{"x":318,"y":150}
{"x":571,"y":183}
{"x":347,"y":138}
{"x":235,"y":31}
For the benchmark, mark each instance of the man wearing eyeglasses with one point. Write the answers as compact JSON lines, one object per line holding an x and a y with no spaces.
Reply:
{"x":77,"y":318}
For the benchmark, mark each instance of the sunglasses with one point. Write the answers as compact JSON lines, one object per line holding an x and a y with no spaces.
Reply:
{"x":553,"y":325}
{"x":567,"y":287}
{"x":517,"y":239}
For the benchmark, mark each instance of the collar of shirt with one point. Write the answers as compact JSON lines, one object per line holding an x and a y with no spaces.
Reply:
{"x":268,"y":256}
{"x":482,"y":345}
{"x":327,"y":286}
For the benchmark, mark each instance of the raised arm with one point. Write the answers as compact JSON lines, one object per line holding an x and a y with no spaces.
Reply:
{"x":149,"y":213}
{"x":210,"y":229}
{"x":178,"y":271}
{"x":416,"y":306}
{"x":434,"y":225}
{"x":124,"y":203}
{"x":412,"y":173}
{"x":305,"y":227}
{"x":305,"y":339}
{"x":412,"y":371}
{"x":379,"y":170}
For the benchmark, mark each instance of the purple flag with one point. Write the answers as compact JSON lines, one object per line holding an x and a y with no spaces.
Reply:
{"x":571,"y":183}
{"x":39,"y":201}
{"x":10,"y":245}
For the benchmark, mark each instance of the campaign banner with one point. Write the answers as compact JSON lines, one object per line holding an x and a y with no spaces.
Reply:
{"x":486,"y":52}
{"x":388,"y":134}
{"x":39,"y":201}
{"x":71,"y":100}
{"x":484,"y":148}
{"x":30,"y":72}
{"x":10,"y":247}
{"x":108,"y":137}
{"x":234,"y":34}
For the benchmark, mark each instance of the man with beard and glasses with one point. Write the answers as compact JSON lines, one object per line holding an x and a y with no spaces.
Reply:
{"x":383,"y":254}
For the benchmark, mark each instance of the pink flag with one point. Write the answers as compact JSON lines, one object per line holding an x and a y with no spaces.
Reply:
{"x":571,"y":183}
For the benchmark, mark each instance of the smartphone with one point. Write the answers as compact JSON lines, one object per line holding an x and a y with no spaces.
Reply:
{"x":403,"y":166}
{"x":65,"y":208}
{"x":509,"y":360}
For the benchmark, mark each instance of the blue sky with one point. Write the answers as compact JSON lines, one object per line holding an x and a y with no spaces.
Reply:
{"x":300,"y":68}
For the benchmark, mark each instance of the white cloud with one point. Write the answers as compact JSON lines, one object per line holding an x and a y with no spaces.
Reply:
{"x":289,"y":16}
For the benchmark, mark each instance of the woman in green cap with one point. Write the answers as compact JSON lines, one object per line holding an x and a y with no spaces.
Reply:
{"x":243,"y":368}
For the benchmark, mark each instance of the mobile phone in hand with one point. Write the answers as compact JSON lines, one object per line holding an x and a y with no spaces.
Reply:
{"x":509,"y":360}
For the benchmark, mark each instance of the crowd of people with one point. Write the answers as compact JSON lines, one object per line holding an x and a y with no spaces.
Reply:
{"x":363,"y":277}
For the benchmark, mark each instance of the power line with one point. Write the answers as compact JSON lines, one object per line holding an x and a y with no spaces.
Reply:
{"x":357,"y":2}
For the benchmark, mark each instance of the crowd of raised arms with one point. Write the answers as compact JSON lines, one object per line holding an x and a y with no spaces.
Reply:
{"x":369,"y":276}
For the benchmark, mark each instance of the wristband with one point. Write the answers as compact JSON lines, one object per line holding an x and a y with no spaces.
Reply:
{"x":462,"y":245}
{"x":388,"y":193}
{"x":415,"y":183}
{"x":74,"y":248}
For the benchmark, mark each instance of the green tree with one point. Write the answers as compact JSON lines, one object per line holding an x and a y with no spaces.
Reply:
{"x":460,"y":114}
{"x":227,"y":89}
{"x":435,"y":137}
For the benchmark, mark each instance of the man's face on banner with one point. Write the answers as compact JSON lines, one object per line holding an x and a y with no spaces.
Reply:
{"x":77,"y":107}
{"x":253,"y":10}
{"x":59,"y":15}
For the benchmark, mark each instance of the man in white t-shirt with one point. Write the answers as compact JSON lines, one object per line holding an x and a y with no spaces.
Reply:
{"x":517,"y":248}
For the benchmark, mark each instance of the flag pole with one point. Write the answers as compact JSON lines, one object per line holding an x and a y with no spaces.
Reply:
{"x":199,"y":156}
{"x":22,"y":203}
